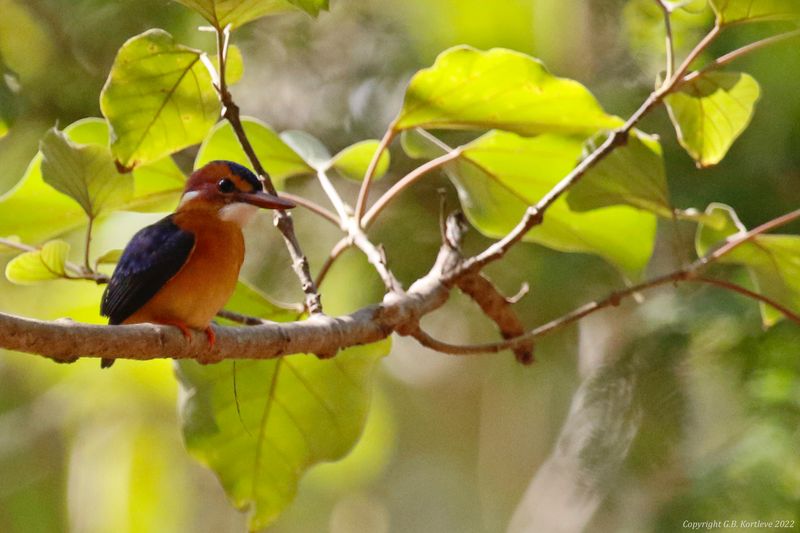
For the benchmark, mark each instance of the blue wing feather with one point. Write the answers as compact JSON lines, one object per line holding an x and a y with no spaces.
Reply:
{"x":154,"y":255}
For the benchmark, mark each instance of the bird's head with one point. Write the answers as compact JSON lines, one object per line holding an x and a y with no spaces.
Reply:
{"x":230,"y":190}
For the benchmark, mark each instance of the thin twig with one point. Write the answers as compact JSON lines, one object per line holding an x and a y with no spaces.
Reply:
{"x":690,"y":273}
{"x":405,"y":182}
{"x":534,"y":215}
{"x":788,"y":313}
{"x":334,"y":254}
{"x":313,"y":207}
{"x":239,"y":318}
{"x":670,"y":43}
{"x":363,"y":194}
{"x":283,"y":219}
{"x":739,"y":52}
{"x":88,"y":245}
{"x":342,"y":209}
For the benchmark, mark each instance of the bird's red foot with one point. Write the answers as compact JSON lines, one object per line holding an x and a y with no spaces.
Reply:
{"x":211,"y":336}
{"x":187,"y":334}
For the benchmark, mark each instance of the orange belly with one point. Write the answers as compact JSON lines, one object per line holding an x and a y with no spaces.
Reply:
{"x":205,"y":282}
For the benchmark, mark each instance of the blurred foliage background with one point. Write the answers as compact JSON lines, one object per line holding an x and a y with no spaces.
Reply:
{"x":682,"y":408}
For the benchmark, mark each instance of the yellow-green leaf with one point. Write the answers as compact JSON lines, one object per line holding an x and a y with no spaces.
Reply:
{"x":13,"y":239}
{"x":220,"y":13}
{"x":34,"y":211}
{"x":711,"y":112}
{"x":773,"y":260}
{"x":730,"y":11}
{"x":260,"y":425}
{"x":500,"y":174}
{"x":503,"y":89}
{"x":633,"y":175}
{"x":277,"y":157}
{"x":86,"y":173}
{"x":352,"y":162}
{"x":41,"y":265}
{"x":158,"y":98}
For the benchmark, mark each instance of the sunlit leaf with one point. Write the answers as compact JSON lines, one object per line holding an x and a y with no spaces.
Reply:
{"x":632,"y":175}
{"x":110,"y":257}
{"x":234,"y":66}
{"x":220,"y":13}
{"x":158,"y":98}
{"x":41,"y":265}
{"x":729,"y":11}
{"x":308,"y":147}
{"x":352,"y":162}
{"x":86,"y":173}
{"x":773,"y":260}
{"x":471,"y":89}
{"x":501,"y":174}
{"x":34,"y":211}
{"x":711,"y":112}
{"x":275,"y":155}
{"x":417,"y":146}
{"x":260,"y":425}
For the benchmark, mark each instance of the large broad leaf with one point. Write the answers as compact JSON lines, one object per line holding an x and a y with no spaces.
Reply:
{"x":34,"y":211}
{"x":275,"y":155}
{"x":729,"y":11}
{"x":711,"y":112}
{"x":41,"y":265}
{"x":353,"y":161}
{"x":501,"y":174}
{"x":503,"y":89}
{"x":158,"y":98}
{"x":220,"y":13}
{"x":773,"y":260}
{"x":632,"y":175}
{"x":260,"y":425}
{"x":86,"y":173}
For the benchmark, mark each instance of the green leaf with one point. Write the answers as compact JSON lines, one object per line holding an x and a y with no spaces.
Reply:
{"x":277,"y":157}
{"x":773,"y":260}
{"x":633,"y":175}
{"x":352,"y":162}
{"x":263,"y":431}
{"x":220,"y":13}
{"x":41,"y":265}
{"x":85,"y":173}
{"x":471,"y":89}
{"x":730,"y":11}
{"x":711,"y":112}
{"x":234,"y":66}
{"x":110,"y":257}
{"x":308,"y":147}
{"x":417,"y":146}
{"x":158,"y":98}
{"x":34,"y":211}
{"x":501,"y":174}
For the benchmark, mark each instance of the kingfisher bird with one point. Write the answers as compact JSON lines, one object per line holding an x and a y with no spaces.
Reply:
{"x":182,"y":270}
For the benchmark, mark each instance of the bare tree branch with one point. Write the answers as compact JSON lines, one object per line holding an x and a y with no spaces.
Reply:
{"x":283,"y":219}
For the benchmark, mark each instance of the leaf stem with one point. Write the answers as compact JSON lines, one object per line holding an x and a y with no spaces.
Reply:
{"x":363,"y":194}
{"x":313,"y":207}
{"x":670,"y":43}
{"x":406,"y":182}
{"x":88,"y":244}
{"x":740,"y":52}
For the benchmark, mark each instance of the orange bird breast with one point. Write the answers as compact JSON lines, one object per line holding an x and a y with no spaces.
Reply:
{"x":208,"y":277}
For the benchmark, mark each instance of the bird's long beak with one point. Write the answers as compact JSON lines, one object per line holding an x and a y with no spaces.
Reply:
{"x":264,"y":200}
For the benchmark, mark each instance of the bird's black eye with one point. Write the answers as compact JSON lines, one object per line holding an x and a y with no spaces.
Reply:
{"x":226,"y":186}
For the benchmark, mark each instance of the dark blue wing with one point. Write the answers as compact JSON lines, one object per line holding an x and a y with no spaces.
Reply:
{"x":154,"y":255}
